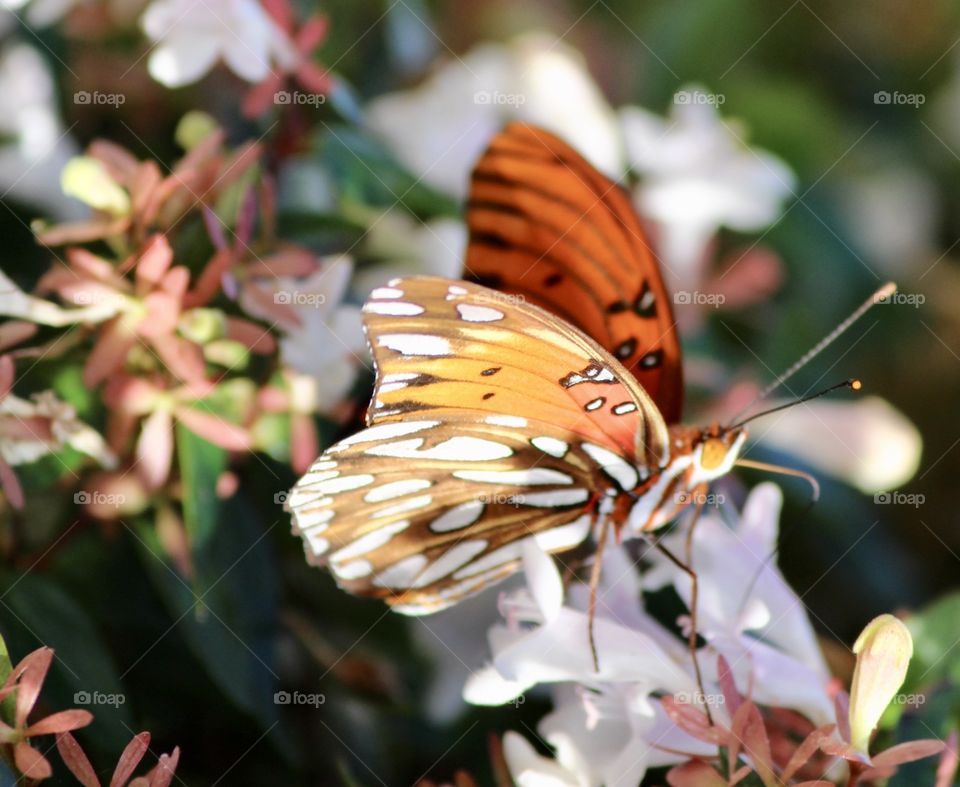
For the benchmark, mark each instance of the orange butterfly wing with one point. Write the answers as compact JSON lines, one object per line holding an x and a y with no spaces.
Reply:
{"x":492,"y":422}
{"x":547,"y":226}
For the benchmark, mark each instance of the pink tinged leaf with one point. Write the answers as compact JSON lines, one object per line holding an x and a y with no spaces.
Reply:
{"x":312,"y":34}
{"x":756,"y":744}
{"x":64,"y":721}
{"x":120,"y":163}
{"x":110,"y":351}
{"x":728,"y":685}
{"x":96,"y":268}
{"x":76,"y":760}
{"x":282,"y":313}
{"x":693,"y":721}
{"x":947,"y":769}
{"x":174,"y":541}
{"x":281,"y":13}
{"x":12,"y":332}
{"x":908,"y":752}
{"x":314,"y":78}
{"x":273,"y":399}
{"x":155,"y":449}
{"x":695,"y":773}
{"x":304,"y":444}
{"x":841,"y":703}
{"x":288,"y":261}
{"x":210,"y":279}
{"x":31,"y":763}
{"x":183,"y":358}
{"x":34,"y":671}
{"x":811,"y":744}
{"x":740,"y":774}
{"x":163,"y":312}
{"x":162,"y":774}
{"x":7,"y":374}
{"x":247,"y":216}
{"x":214,"y":429}
{"x":214,"y":226}
{"x":82,"y":231}
{"x":11,"y":485}
{"x":130,"y":759}
{"x":252,"y":336}
{"x":154,"y":262}
{"x":143,"y":192}
{"x":842,"y":749}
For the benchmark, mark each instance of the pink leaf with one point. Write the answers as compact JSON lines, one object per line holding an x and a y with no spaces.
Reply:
{"x":162,"y":774}
{"x":215,"y":429}
{"x":154,"y":262}
{"x":252,"y":336}
{"x":64,"y":721}
{"x":130,"y":759}
{"x":155,"y":449}
{"x":31,"y":763}
{"x":183,"y":358}
{"x":692,"y":720}
{"x":209,"y":282}
{"x":841,"y":703}
{"x":807,"y":749}
{"x":11,"y":485}
{"x":12,"y":332}
{"x":76,"y":761}
{"x":695,"y":773}
{"x":33,"y":671}
{"x":908,"y":752}
{"x":109,"y":351}
{"x":757,"y":745}
{"x":947,"y":769}
{"x":728,"y":685}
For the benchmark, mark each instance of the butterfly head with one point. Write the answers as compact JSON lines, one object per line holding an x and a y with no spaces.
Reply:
{"x":713,"y":451}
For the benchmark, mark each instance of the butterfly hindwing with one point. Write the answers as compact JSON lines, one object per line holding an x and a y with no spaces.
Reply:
{"x":424,"y":512}
{"x":547,"y":226}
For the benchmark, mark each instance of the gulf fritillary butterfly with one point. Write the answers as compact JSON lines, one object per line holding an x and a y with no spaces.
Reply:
{"x":493,"y":420}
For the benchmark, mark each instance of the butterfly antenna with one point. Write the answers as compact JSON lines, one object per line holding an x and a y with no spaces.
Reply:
{"x":853,"y":384}
{"x":880,"y":295}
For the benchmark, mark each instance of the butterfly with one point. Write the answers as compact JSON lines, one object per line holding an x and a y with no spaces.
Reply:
{"x":498,"y":417}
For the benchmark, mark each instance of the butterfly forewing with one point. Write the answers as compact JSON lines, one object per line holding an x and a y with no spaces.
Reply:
{"x":545,"y":225}
{"x":442,"y":345}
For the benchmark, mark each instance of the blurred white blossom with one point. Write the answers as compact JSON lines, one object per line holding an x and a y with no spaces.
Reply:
{"x":191,"y":36}
{"x":468,"y":99}
{"x":322,"y":337}
{"x":697,"y":174}
{"x":874,"y":446}
{"x":608,"y":725}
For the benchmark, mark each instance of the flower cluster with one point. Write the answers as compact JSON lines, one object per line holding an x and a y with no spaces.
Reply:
{"x":765,"y":686}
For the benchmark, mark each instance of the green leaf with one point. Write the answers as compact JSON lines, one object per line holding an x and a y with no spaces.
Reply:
{"x":201,"y":464}
{"x":936,"y":657}
{"x":227,"y":614}
{"x":42,"y":613}
{"x":7,"y":706}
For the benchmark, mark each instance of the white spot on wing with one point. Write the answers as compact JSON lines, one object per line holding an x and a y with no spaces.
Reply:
{"x":318,"y":545}
{"x":415,"y":344}
{"x":457,"y":517}
{"x":393,"y":308}
{"x":344,"y":483}
{"x":395,"y":489}
{"x":462,"y":448}
{"x":410,"y":504}
{"x":551,"y":445}
{"x":358,"y":569}
{"x":564,"y":536}
{"x":370,"y":541}
{"x":555,"y":497}
{"x":624,"y":408}
{"x":529,"y":476}
{"x":473,"y":313}
{"x":506,"y":420}
{"x":402,"y":573}
{"x":383,"y":432}
{"x":313,"y":517}
{"x":594,"y":404}
{"x":386,"y":292}
{"x":455,"y":557}
{"x":613,"y":465}
{"x":498,"y":557}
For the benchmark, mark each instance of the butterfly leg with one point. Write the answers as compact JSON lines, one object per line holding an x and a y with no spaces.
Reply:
{"x":694,"y":588}
{"x":595,"y":587}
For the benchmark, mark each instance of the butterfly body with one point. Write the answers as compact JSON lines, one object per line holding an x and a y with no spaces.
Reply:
{"x":492,"y":422}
